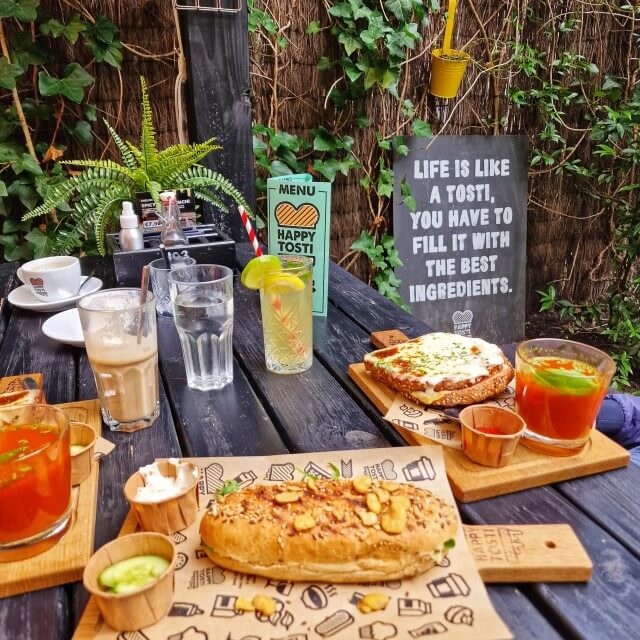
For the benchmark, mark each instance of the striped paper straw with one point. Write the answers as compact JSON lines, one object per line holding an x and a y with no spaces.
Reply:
{"x":250,"y":232}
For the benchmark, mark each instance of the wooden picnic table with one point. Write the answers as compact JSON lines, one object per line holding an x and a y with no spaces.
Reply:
{"x":321,"y":409}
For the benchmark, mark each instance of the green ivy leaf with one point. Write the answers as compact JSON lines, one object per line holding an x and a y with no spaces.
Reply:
{"x":279,"y":168}
{"x":349,"y":43}
{"x":324,"y":141}
{"x":23,"y":10}
{"x":104,"y":29}
{"x":71,"y":31}
{"x":328,"y":168}
{"x":71,"y":85}
{"x":81,"y":131}
{"x":26,"y":163}
{"x":24,"y":52}
{"x":324,"y":63}
{"x":313,"y":28}
{"x":400,"y":8}
{"x":102,"y":40}
{"x":421,"y":128}
{"x":13,"y":250}
{"x":42,"y":244}
{"x":363,"y":242}
{"x":23,"y":189}
{"x":90,"y":112}
{"x":8,"y":73}
{"x":342,"y":10}
{"x":3,"y":190}
{"x":9,"y":152}
{"x":110,"y":53}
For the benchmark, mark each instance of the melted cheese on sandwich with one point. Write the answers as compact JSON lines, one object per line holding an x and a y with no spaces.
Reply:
{"x":436,"y":357}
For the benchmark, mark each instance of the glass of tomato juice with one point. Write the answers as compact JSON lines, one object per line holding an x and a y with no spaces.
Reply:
{"x":35,"y":479}
{"x":560,"y":385}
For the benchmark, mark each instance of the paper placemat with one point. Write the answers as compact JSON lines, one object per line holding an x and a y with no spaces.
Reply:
{"x":434,"y":424}
{"x":449,"y":601}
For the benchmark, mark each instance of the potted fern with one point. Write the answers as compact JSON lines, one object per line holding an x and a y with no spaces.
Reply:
{"x":96,"y":194}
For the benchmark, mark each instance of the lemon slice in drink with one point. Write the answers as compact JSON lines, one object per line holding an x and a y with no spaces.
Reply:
{"x":282,"y":283}
{"x":254,"y":273}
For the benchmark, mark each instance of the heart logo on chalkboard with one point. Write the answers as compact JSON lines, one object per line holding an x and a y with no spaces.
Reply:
{"x":306,"y":215}
{"x":462,"y":317}
{"x":462,"y":322}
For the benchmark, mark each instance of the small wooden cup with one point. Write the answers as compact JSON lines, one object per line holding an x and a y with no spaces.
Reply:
{"x":131,"y":611}
{"x":167,"y":516}
{"x":82,"y":434}
{"x":490,"y":449}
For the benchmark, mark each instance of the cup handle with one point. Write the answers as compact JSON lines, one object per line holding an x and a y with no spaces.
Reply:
{"x":20,"y":276}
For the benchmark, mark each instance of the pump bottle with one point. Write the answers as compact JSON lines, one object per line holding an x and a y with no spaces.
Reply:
{"x":131,"y":238}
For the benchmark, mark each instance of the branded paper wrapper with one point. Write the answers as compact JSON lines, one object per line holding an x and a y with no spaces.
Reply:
{"x":450,"y":600}
{"x":433,"y":423}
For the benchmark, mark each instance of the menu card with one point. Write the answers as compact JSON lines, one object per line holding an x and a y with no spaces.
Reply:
{"x":299,"y":224}
{"x":450,"y":600}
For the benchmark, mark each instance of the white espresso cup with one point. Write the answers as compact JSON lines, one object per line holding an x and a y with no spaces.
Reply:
{"x":53,"y":278}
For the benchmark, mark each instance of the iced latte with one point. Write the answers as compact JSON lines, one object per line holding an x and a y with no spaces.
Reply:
{"x":120,"y":337}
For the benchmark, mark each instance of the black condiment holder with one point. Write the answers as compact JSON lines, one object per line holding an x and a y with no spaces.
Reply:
{"x":206,"y":245}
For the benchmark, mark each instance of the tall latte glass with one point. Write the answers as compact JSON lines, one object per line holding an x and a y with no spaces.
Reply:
{"x":122,"y":345}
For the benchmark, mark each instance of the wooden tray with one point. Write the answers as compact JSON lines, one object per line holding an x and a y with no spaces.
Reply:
{"x":470,"y":481}
{"x":65,"y":561}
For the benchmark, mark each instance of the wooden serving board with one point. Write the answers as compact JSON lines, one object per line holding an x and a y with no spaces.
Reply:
{"x":502,"y":553}
{"x":65,"y":561}
{"x":470,"y":481}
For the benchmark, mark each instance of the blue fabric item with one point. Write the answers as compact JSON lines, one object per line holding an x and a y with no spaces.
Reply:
{"x":619,"y":418}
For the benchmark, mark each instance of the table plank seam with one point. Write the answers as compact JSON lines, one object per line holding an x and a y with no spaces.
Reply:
{"x":271,"y":413}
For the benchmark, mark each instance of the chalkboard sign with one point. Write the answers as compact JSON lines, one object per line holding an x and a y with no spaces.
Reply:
{"x":464,"y":245}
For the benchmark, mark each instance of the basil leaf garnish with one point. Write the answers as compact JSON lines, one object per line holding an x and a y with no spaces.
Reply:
{"x":567,"y":380}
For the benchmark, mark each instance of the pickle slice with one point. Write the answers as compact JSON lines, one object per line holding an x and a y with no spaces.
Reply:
{"x":132,"y":574}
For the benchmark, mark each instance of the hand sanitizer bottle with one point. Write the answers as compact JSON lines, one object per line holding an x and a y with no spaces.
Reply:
{"x":131,"y":238}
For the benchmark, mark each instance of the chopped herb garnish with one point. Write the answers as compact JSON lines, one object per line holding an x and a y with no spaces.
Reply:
{"x":7,"y":456}
{"x":449,"y":544}
{"x":228,"y":487}
{"x":305,"y":475}
{"x":335,"y":472}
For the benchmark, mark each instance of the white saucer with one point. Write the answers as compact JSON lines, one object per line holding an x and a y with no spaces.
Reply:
{"x":24,"y":299}
{"x":65,"y":327}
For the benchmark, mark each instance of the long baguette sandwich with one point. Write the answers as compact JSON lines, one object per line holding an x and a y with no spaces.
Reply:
{"x":329,"y":530}
{"x":442,"y":369}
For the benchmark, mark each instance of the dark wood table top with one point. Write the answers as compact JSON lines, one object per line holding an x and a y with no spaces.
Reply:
{"x":263,"y":413}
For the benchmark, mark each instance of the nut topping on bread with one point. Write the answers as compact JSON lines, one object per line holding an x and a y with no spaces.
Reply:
{"x":331,"y":531}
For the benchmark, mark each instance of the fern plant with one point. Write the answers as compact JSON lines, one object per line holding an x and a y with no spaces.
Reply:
{"x":95,"y":195}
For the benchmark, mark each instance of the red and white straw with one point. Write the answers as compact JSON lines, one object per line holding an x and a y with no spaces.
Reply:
{"x":250,"y":232}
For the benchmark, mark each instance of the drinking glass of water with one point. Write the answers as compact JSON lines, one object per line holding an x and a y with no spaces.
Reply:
{"x":202,"y":297}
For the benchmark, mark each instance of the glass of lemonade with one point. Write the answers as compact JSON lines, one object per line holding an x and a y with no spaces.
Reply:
{"x":560,"y":385}
{"x":122,"y":345}
{"x":35,"y":479}
{"x":287,"y":321}
{"x":202,"y":298}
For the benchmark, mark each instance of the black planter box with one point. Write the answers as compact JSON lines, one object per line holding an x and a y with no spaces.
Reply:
{"x":209,"y":246}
